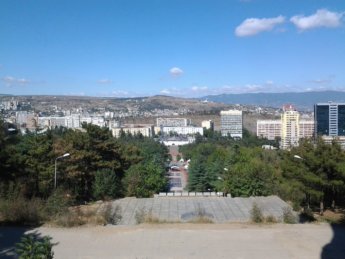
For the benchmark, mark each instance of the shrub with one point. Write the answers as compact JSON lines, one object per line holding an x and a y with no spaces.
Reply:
{"x":33,"y":246}
{"x":271,"y":219}
{"x":288,"y":216}
{"x":22,"y":211}
{"x":70,"y":219}
{"x":256,"y":215}
{"x":57,"y":204}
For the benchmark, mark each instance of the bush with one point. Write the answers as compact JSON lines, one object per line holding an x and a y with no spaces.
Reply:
{"x":70,"y":219}
{"x":22,"y":211}
{"x":57,"y":204}
{"x":256,"y":215}
{"x":288,"y":216}
{"x":33,"y":246}
{"x":143,"y":216}
{"x":271,"y":219}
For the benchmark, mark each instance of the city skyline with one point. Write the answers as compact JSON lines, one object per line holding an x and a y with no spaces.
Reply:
{"x":177,"y":48}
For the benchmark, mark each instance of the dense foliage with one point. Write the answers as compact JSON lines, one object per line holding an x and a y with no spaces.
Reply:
{"x":34,"y":246}
{"x":99,"y":166}
{"x":309,"y":175}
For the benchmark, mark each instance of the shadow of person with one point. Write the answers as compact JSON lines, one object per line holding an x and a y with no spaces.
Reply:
{"x":9,"y":237}
{"x":336,"y":248}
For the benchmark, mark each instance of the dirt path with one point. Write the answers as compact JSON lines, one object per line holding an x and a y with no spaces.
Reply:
{"x":198,"y":241}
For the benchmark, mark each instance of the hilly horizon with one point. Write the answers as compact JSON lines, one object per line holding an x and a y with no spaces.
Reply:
{"x":301,"y":100}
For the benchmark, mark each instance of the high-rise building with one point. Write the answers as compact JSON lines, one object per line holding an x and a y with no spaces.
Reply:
{"x":231,"y":123}
{"x":290,"y":127}
{"x":329,"y":119}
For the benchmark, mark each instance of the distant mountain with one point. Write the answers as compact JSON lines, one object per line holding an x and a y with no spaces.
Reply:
{"x":303,"y":100}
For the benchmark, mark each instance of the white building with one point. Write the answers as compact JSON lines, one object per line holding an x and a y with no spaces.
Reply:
{"x":270,"y":129}
{"x":9,"y":105}
{"x":145,"y":130}
{"x":306,"y":128}
{"x":177,"y":141}
{"x":172,"y":122}
{"x":231,"y":123}
{"x":26,"y":119}
{"x":290,"y":127}
{"x":207,"y":124}
{"x":99,"y":121}
{"x":73,"y":121}
{"x":180,"y":130}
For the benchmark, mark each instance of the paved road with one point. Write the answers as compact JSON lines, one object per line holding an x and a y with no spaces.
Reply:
{"x":236,"y":241}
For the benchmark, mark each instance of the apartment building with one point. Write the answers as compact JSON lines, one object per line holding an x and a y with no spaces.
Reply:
{"x":270,"y":129}
{"x":231,"y":122}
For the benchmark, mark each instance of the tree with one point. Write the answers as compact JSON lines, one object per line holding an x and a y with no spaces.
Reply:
{"x":198,"y":178}
{"x":145,"y":179}
{"x":106,"y":185}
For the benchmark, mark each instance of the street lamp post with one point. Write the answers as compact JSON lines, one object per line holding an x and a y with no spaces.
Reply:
{"x":60,"y":157}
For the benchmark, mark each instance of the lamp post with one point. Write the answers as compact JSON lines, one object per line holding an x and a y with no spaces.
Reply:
{"x":60,"y":157}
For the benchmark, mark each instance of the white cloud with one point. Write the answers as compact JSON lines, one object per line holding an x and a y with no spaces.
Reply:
{"x":120,"y":93}
{"x":322,"y":18}
{"x":199,"y":88}
{"x":12,"y":81}
{"x":253,"y":26}
{"x":176,"y":72}
{"x":165,"y":91}
{"x":76,"y":94}
{"x":321,"y":81}
{"x":104,"y":81}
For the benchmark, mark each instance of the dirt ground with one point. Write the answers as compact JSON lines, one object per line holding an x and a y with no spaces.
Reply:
{"x":192,"y":241}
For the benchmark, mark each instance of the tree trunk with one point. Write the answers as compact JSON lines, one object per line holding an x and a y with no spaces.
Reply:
{"x":333,"y":205}
{"x":321,"y":207}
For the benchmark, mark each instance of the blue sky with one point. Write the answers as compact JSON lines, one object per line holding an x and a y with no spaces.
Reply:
{"x":189,"y":48}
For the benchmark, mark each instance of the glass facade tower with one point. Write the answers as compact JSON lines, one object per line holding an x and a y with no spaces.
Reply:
{"x":329,"y":119}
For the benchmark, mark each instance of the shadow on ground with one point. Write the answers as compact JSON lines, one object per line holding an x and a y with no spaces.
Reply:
{"x":336,"y":248}
{"x":9,"y":237}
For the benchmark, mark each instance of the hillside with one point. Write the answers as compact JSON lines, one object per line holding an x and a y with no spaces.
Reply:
{"x":302,"y":101}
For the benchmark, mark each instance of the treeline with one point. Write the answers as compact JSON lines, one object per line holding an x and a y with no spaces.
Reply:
{"x":312,"y":174}
{"x":99,"y":166}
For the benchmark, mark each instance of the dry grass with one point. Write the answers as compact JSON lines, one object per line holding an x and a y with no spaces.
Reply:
{"x":334,"y":217}
{"x":201,"y":220}
{"x":94,"y":214}
{"x":270,"y":219}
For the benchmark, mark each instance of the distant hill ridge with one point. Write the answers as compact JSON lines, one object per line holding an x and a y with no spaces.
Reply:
{"x":302,"y":100}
